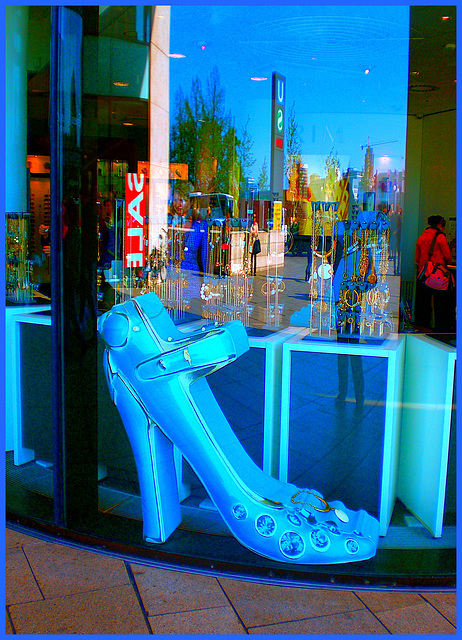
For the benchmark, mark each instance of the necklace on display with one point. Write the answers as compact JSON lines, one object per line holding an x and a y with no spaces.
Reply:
{"x":341,"y":515}
{"x":345,"y":255}
{"x":372,"y":277}
{"x":364,"y":256}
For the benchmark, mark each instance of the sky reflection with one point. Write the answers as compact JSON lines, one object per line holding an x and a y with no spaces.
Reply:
{"x":324,"y":52}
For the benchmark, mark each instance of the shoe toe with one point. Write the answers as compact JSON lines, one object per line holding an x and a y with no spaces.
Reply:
{"x":300,"y":535}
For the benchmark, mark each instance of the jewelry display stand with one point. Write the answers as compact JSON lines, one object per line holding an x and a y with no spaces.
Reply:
{"x":18,"y":267}
{"x":323,"y":248}
{"x":227,"y":298}
{"x":364,"y":293}
{"x":349,"y":291}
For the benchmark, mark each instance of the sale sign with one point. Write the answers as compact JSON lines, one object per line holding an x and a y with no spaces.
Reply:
{"x":135,"y":211}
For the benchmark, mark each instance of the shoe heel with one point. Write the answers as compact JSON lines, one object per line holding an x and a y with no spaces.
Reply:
{"x":154,"y":458}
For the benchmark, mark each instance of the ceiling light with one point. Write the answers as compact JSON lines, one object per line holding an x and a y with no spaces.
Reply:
{"x":422,"y":88}
{"x":176,"y":55}
{"x":128,"y":124}
{"x":258,"y":78}
{"x":366,"y":71}
{"x":415,"y":73}
{"x":120,"y":84}
{"x":445,"y":17}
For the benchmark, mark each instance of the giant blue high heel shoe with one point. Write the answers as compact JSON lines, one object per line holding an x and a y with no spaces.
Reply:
{"x":156,"y":375}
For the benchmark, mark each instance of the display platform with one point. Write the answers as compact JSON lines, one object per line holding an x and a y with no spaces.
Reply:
{"x":340,"y":420}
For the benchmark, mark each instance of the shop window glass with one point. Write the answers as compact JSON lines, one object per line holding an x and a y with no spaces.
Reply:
{"x":257,"y":126}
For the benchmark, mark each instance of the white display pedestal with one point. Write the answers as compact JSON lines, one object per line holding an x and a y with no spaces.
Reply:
{"x":14,"y":316}
{"x":392,"y":350}
{"x":271,"y":342}
{"x":426,"y":423}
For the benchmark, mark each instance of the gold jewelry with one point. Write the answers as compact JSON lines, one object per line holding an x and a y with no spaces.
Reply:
{"x":372,"y":277}
{"x":354,"y":247}
{"x":384,"y":255}
{"x":277,"y":287}
{"x":364,"y":256}
{"x":346,"y":237}
{"x":341,"y":515}
{"x":371,"y":296}
{"x":382,"y":298}
{"x":325,"y":270}
{"x":320,"y":254}
{"x":352,"y":292}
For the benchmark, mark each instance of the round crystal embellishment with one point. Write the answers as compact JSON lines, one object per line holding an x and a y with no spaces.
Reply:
{"x":352,"y":546}
{"x":319,"y":540}
{"x":239,"y":512}
{"x":332,"y":527}
{"x":291,"y":544}
{"x":294,"y":519}
{"x":265,"y":525}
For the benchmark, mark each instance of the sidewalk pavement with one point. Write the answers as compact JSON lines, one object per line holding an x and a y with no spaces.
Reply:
{"x":53,"y":588}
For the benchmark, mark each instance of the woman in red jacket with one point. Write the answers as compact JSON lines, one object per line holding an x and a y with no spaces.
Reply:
{"x":430,"y":302}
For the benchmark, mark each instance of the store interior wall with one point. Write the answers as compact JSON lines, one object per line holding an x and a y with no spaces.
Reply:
{"x":411,"y":197}
{"x":438,"y":173}
{"x":16,"y":35}
{"x":430,"y":179}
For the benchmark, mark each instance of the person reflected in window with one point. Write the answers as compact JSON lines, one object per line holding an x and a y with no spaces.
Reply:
{"x":433,"y":309}
{"x":195,"y":246}
{"x":44,"y":232}
{"x":255,"y":246}
{"x":356,"y":364}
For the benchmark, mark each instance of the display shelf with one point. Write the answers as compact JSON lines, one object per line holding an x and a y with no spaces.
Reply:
{"x":329,"y":439}
{"x":14,"y":316}
{"x":428,"y":406}
{"x":242,"y":378}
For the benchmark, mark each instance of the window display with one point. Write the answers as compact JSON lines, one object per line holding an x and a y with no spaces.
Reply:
{"x":162,"y":196}
{"x":156,"y":377}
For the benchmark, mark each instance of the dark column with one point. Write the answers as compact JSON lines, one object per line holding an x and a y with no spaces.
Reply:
{"x":74,"y":408}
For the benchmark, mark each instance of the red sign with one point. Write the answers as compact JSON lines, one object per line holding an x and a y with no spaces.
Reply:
{"x":135,"y":211}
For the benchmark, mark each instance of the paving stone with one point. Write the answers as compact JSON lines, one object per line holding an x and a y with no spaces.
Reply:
{"x":354,"y":622}
{"x":20,"y":584}
{"x":446,"y":603}
{"x":164,"y":591}
{"x":388,"y":600}
{"x":260,"y":604}
{"x":9,"y":628}
{"x":15,"y":539}
{"x":108,"y":611}
{"x":219,"y":620}
{"x":419,"y":619}
{"x":64,"y":570}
